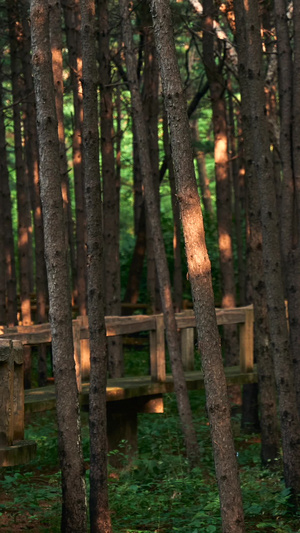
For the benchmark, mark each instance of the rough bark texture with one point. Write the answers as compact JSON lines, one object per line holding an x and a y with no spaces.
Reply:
{"x":266,"y":379}
{"x":160,"y":254}
{"x":67,"y":405}
{"x":10,"y":273}
{"x":223,"y":187}
{"x":111,"y":223}
{"x":99,"y":513}
{"x":294,"y":258}
{"x":177,"y":275}
{"x":34,"y":184}
{"x":199,"y":273}
{"x":201,"y":167}
{"x":22,"y":182}
{"x":234,"y":169}
{"x":72,"y":21}
{"x":56,"y":40}
{"x":248,"y":23}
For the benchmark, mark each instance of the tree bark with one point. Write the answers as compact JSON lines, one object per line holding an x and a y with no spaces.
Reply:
{"x":55,"y":12}
{"x":160,"y":254}
{"x":34,"y":183}
{"x":72,"y":22}
{"x":111,"y":223}
{"x":10,"y":272}
{"x":247,"y":20}
{"x":223,"y":187}
{"x":177,"y":275}
{"x":67,"y":405}
{"x":199,"y":272}
{"x":202,"y":174}
{"x":99,"y":512}
{"x":22,"y":183}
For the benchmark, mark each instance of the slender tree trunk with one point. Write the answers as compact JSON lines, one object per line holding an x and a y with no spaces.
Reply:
{"x":111,"y":223}
{"x":294,"y":285}
{"x":67,"y":405}
{"x":10,"y":273}
{"x":248,"y":23}
{"x":34,"y":181}
{"x":234,"y":166}
{"x":2,"y":257}
{"x":22,"y":184}
{"x":270,"y":443}
{"x":202,"y":174}
{"x":99,"y":512}
{"x":223,"y":188}
{"x":199,"y":272}
{"x":57,"y":67}
{"x":72,"y":21}
{"x":160,"y":254}
{"x":177,"y":276}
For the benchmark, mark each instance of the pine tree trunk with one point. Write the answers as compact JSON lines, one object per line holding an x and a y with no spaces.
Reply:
{"x":223,"y":186}
{"x":10,"y":271}
{"x":34,"y":181}
{"x":177,"y":276}
{"x":111,"y":223}
{"x":199,"y":272}
{"x":202,"y":174}
{"x":248,"y":23}
{"x":67,"y":404}
{"x":56,"y":40}
{"x":160,"y":254}
{"x":22,"y":183}
{"x":99,"y":512}
{"x":72,"y":22}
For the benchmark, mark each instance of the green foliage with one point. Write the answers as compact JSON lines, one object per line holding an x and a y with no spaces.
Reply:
{"x":154,"y":492}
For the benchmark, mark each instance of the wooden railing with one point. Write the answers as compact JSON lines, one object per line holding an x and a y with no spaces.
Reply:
{"x":154,"y":324}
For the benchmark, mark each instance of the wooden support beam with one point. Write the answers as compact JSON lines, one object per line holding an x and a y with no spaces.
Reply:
{"x":13,"y":449}
{"x":187,"y":340}
{"x":157,"y":350}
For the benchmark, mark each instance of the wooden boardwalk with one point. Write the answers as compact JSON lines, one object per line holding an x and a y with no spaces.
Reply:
{"x":43,"y":399}
{"x":126,"y":397}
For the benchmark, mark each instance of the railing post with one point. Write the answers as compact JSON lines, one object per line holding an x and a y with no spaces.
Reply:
{"x":157,"y":350}
{"x":247,"y":342}
{"x":187,"y":344}
{"x":18,"y":395}
{"x":7,"y":393}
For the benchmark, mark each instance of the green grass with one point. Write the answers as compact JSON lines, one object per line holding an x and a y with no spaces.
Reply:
{"x":156,"y":492}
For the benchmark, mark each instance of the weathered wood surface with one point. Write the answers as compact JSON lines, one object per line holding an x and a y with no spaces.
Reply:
{"x":13,"y":448}
{"x":43,"y":399}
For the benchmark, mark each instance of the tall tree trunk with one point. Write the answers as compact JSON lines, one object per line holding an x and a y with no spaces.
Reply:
{"x":223,"y":187}
{"x":111,"y":223}
{"x":247,"y":20}
{"x":160,"y":254}
{"x":72,"y":21}
{"x":294,"y":258}
{"x":10,"y":273}
{"x":22,"y":183}
{"x":199,"y":272}
{"x":67,"y":404}
{"x":234,"y":166}
{"x":34,"y":182}
{"x":57,"y":67}
{"x":151,"y":110}
{"x":99,"y":512}
{"x":270,"y":442}
{"x":202,"y":174}
{"x":177,"y":276}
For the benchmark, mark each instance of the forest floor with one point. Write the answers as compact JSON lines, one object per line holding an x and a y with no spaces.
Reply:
{"x":156,"y":492}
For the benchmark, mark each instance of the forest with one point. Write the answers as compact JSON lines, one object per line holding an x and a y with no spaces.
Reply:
{"x":150,"y":266}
